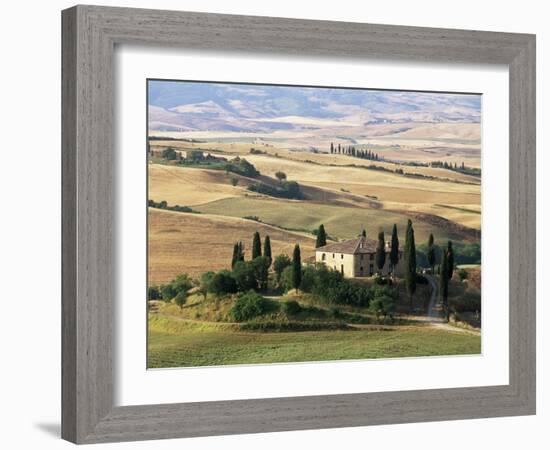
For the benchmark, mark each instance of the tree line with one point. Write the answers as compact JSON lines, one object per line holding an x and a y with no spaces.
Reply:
{"x":352,"y":151}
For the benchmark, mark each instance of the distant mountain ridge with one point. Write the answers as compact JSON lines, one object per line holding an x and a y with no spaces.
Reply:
{"x":191,"y":106}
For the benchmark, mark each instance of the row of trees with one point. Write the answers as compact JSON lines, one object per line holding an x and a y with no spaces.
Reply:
{"x":352,"y":151}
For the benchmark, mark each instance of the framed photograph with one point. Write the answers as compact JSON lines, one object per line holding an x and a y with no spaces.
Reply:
{"x":277,"y":224}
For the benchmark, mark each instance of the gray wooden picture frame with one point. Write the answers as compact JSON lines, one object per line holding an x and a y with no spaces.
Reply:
{"x":90,"y":34}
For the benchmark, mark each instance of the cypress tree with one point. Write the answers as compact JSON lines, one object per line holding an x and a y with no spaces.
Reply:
{"x":331,"y":147}
{"x":444,"y":284}
{"x":296,"y":267}
{"x":410,"y":260}
{"x":241,"y":251}
{"x":236,"y":254}
{"x":256,"y":246}
{"x":321,"y":237}
{"x":267,"y":248}
{"x":431,"y":252}
{"x":450,"y":259}
{"x":394,"y":252}
{"x":364,"y":233}
{"x":381,"y":251}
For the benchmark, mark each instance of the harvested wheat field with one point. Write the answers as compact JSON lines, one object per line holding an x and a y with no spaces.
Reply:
{"x":197,"y":243}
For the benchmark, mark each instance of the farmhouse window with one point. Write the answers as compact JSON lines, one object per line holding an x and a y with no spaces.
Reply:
{"x":323,"y":257}
{"x":371,"y":256}
{"x":342,"y":256}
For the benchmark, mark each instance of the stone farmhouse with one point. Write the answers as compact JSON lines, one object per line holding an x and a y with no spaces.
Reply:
{"x":357,"y":258}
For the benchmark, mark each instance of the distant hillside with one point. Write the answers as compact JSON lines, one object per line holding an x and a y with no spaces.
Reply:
{"x":189,"y":106}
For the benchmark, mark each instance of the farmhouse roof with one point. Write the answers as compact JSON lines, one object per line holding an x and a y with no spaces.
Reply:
{"x":354,"y":246}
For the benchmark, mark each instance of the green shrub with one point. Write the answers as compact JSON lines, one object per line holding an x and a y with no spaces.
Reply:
{"x":248,"y":306}
{"x":280,"y":263}
{"x":462,"y":274}
{"x":244,"y":274}
{"x":167,"y":292}
{"x":181,"y":298}
{"x":291,"y":307}
{"x":222,"y":283}
{"x":153,"y":293}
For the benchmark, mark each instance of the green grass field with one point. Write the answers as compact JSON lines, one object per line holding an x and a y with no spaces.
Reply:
{"x":174,"y":343}
{"x":340,"y":222}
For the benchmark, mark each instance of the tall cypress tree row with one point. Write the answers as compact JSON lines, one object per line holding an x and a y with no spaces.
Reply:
{"x":431,"y":252}
{"x":394,"y":251}
{"x":450,"y":259}
{"x":296,"y":267}
{"x":256,"y":246}
{"x":321,"y":237}
{"x":410,"y":263}
{"x":267,"y":248}
{"x":381,"y":251}
{"x":444,"y":284}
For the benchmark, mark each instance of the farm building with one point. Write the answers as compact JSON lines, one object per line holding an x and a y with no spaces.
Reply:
{"x":357,"y":258}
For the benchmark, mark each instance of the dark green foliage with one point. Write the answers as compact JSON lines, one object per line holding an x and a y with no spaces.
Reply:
{"x":291,"y":307}
{"x":222,"y":283}
{"x":194,"y":155}
{"x":181,"y":298}
{"x":309,"y":278}
{"x":267,"y":248}
{"x":381,"y":281}
{"x":256,"y":245}
{"x":241,"y":166}
{"x":182,"y":283}
{"x":167,"y":293}
{"x":462,"y":274}
{"x":169,"y":154}
{"x":321,"y":237}
{"x":164,"y":205}
{"x":205,"y":281}
{"x":286,"y":278}
{"x":287,"y":189}
{"x":153,"y":293}
{"x":296,"y":267}
{"x":450,"y":259}
{"x":280,"y":176}
{"x":279,"y":264}
{"x":410,"y":263}
{"x":381,"y":251}
{"x":249,"y":305}
{"x":364,"y":233}
{"x":394,"y":250}
{"x":260,"y":267}
{"x":244,"y":274}
{"x":234,"y":181}
{"x":444,"y":284}
{"x":236,"y":255}
{"x":431,"y":252}
{"x":383,"y":302}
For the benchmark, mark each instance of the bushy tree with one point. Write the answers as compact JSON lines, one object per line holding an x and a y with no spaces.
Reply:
{"x":281,"y":176}
{"x":249,"y":305}
{"x":222,"y":283}
{"x":181,"y":298}
{"x":260,"y":267}
{"x":279,"y":264}
{"x":321,"y":237}
{"x":381,"y":251}
{"x":153,"y":293}
{"x":204,"y":283}
{"x":245,"y":275}
{"x":167,"y":293}
{"x":291,"y":307}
